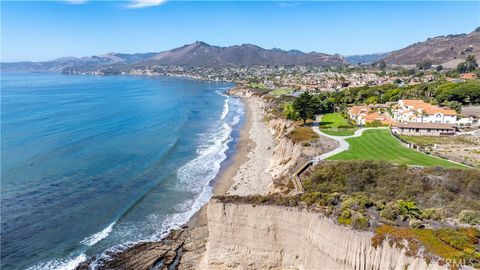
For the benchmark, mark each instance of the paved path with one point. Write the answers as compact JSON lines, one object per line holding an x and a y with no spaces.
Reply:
{"x":474,"y":132}
{"x":343,"y":144}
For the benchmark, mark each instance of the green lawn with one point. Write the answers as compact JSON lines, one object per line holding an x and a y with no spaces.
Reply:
{"x":339,"y":132}
{"x":332,"y":121}
{"x":258,"y":86}
{"x":281,"y":91}
{"x":379,"y":144}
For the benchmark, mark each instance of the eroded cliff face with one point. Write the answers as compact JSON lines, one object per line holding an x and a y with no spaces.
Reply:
{"x":244,"y":236}
{"x":287,"y":154}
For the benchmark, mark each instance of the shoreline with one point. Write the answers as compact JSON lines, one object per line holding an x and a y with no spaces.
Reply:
{"x":224,"y":179}
{"x":249,"y":158}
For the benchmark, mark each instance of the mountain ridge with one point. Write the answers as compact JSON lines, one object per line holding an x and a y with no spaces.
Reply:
{"x":446,"y":50}
{"x":197,"y":54}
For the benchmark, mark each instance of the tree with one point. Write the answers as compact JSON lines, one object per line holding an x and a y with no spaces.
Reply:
{"x":469,"y":65}
{"x":454,"y":105}
{"x":289,"y":111}
{"x":382,"y":64}
{"x":439,"y":68}
{"x":304,"y":106}
{"x":424,"y":65}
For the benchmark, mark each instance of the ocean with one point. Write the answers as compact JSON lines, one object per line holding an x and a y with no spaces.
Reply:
{"x":93,"y":164}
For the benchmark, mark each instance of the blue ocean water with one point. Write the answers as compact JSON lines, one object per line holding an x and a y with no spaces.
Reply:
{"x":92,"y":163}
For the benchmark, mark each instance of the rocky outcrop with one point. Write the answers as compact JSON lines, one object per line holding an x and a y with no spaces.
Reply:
{"x":244,"y":236}
{"x":181,"y":249}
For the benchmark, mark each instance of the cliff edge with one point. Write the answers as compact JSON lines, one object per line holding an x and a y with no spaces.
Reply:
{"x":245,"y":236}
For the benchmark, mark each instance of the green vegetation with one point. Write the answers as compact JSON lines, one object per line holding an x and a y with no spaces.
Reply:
{"x":304,"y":106}
{"x":451,"y":245}
{"x":469,"y":217}
{"x":289,"y":112}
{"x":335,"y":124}
{"x":257,"y":86}
{"x":354,"y":193}
{"x":424,"y":141}
{"x":302,"y":134}
{"x":339,"y":132}
{"x":469,"y":65}
{"x":379,"y":144}
{"x":438,"y":92}
{"x":281,"y":91}
{"x":333,"y":120}
{"x":400,"y":191}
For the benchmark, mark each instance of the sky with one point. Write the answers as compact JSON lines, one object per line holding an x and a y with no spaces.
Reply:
{"x":45,"y":30}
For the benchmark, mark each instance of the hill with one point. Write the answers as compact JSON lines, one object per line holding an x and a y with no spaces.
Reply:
{"x":198,"y":54}
{"x":86,"y":63}
{"x":203,"y":54}
{"x":365,"y":58}
{"x":447,"y":50}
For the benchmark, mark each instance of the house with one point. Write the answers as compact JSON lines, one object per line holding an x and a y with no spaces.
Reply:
{"x":468,"y":76}
{"x":357,"y":113}
{"x":422,"y":129}
{"x":413,"y":110}
{"x":367,"y":114}
{"x":376,"y":116}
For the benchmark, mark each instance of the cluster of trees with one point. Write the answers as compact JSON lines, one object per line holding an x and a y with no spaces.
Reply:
{"x":469,"y":65}
{"x":306,"y":106}
{"x":450,"y":94}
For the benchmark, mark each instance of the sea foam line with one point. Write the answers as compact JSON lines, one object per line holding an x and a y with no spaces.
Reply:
{"x":61,"y":264}
{"x":97,"y":237}
{"x":207,"y":164}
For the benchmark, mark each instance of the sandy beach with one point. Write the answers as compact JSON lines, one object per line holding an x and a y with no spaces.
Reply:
{"x":247,"y":174}
{"x":255,"y":153}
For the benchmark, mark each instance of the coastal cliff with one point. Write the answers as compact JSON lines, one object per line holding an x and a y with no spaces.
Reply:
{"x":245,"y":236}
{"x":287,"y":155}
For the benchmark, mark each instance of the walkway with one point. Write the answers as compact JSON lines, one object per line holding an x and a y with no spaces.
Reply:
{"x":343,"y":144}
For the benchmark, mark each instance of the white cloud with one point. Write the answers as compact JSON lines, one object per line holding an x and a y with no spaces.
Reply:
{"x":76,"y":2}
{"x":145,"y":3}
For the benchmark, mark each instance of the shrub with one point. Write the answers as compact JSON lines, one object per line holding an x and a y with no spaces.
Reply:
{"x":469,"y":217}
{"x":302,"y":134}
{"x":311,"y":198}
{"x":289,"y":112}
{"x":344,"y":221}
{"x":356,"y":202}
{"x":346,"y":214}
{"x":415,"y":223}
{"x":432,"y":213}
{"x":388,"y":213}
{"x":359,"y":222}
{"x":375,"y":123}
{"x":408,"y":209}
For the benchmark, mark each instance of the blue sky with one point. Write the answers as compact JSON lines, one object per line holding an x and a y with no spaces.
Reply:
{"x":44,"y":30}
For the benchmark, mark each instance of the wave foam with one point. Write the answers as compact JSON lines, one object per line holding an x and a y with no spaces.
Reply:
{"x":194,"y":176}
{"x":63,"y":264}
{"x":97,"y":237}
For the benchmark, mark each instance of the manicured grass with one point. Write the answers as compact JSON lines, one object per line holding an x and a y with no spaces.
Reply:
{"x":339,"y":132}
{"x":332,"y":121}
{"x":281,"y":91}
{"x":379,"y":144}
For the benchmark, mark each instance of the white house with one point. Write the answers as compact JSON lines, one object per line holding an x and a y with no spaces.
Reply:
{"x":418,"y":111}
